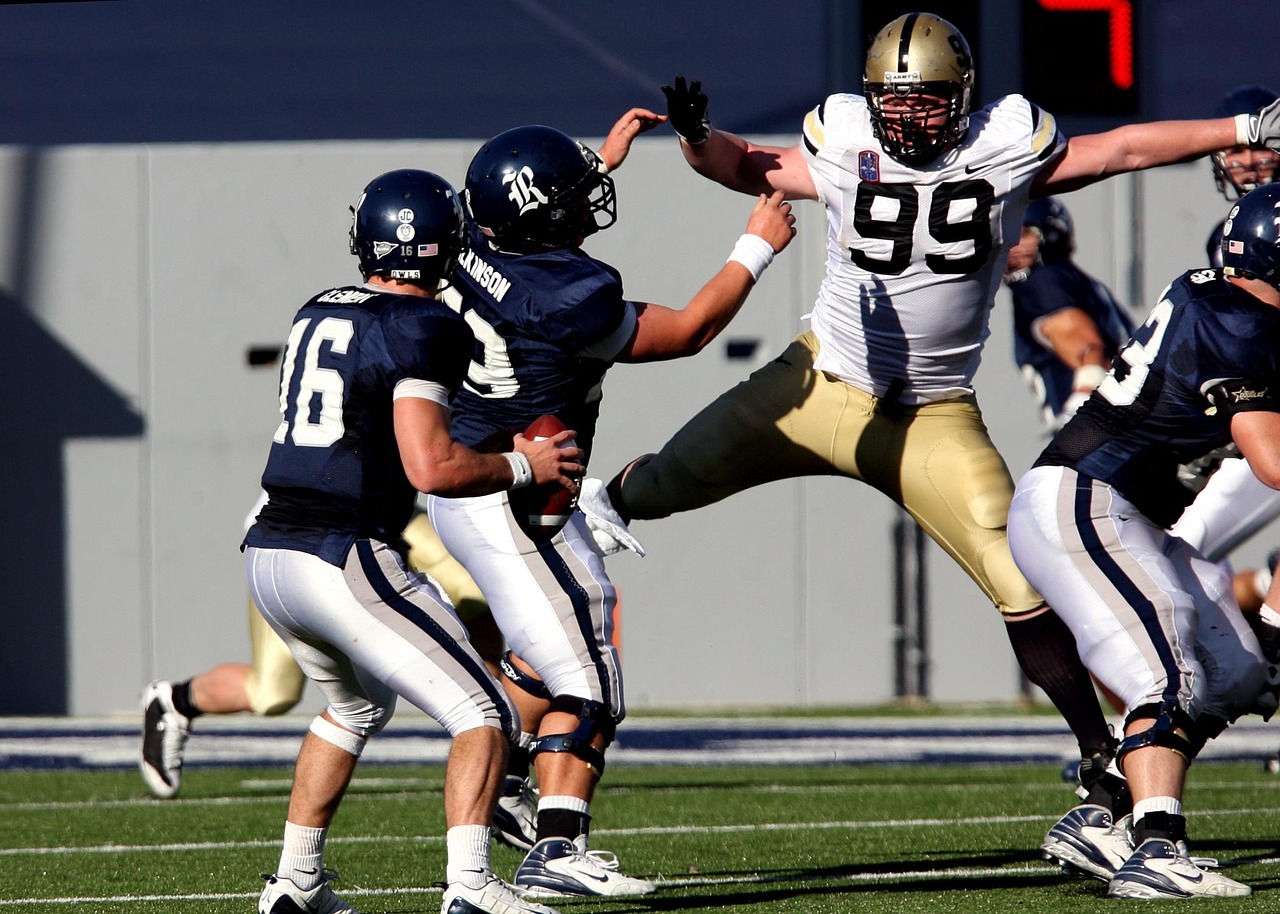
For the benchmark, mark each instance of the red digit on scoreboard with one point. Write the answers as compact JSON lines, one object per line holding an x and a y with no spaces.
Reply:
{"x":1120,"y":31}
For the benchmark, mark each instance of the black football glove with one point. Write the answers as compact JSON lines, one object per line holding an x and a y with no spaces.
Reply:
{"x":687,"y":111}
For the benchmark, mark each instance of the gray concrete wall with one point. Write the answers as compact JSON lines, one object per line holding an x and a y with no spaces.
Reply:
{"x":150,"y":271}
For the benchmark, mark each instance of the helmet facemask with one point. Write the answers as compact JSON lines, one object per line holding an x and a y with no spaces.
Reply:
{"x":1235,"y":177}
{"x":921,"y":120}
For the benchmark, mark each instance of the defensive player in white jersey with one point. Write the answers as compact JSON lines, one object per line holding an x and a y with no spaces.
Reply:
{"x":924,"y":199}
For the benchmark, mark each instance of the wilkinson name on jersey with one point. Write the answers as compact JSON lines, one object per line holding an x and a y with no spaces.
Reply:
{"x":489,"y":279}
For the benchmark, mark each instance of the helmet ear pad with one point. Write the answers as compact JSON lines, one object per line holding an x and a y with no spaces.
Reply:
{"x":408,"y":225}
{"x":536,"y":188}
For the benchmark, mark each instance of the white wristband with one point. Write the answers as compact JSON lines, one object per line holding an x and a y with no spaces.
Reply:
{"x":1269,"y":615}
{"x":521,"y":472}
{"x":754,"y":253}
{"x":1242,"y":129}
{"x":1087,"y":377}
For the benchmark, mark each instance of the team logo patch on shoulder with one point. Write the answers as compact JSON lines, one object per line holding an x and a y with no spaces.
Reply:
{"x":868,"y":165}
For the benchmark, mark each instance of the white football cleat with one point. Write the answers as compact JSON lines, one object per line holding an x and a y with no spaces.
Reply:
{"x":282,"y":896}
{"x":1161,"y":869}
{"x":1086,"y":839}
{"x":560,"y":867}
{"x":494,"y":897}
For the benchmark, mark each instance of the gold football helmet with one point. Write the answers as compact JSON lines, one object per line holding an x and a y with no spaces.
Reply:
{"x":918,"y":82}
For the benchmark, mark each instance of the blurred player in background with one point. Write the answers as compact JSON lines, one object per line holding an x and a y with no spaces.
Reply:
{"x":271,"y":683}
{"x":1067,"y":326}
{"x":551,"y":320}
{"x":1153,"y":618}
{"x":924,"y":199}
{"x":1240,"y":168}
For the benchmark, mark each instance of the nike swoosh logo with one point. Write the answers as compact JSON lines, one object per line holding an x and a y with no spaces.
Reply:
{"x":970,"y":169}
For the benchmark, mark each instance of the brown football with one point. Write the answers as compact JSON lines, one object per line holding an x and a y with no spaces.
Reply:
{"x":542,"y":510}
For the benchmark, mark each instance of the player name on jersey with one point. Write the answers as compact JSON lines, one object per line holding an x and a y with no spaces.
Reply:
{"x":483,"y":273}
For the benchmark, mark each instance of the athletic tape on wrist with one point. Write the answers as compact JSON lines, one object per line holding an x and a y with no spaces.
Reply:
{"x":521,"y":472}
{"x":341,"y":737}
{"x":1087,"y":377}
{"x":754,"y":253}
{"x":1242,"y":129}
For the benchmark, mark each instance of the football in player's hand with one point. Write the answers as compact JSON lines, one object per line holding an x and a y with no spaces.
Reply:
{"x":541,"y":510}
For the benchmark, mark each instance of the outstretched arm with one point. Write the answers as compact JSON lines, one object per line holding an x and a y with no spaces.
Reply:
{"x":729,"y":159}
{"x":668,"y":333}
{"x":1095,"y":156}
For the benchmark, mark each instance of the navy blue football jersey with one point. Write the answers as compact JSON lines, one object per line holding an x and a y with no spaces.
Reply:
{"x":1207,"y":352}
{"x":1049,"y":288}
{"x":533,"y":315}
{"x":334,"y":473}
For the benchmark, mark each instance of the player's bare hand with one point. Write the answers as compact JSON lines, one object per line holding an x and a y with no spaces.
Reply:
{"x":773,"y":221}
{"x":554,"y":459}
{"x":618,"y":143}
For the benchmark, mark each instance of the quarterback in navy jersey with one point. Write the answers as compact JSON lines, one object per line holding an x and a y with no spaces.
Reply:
{"x":549,"y":320}
{"x":1067,"y":326}
{"x":364,"y":400}
{"x":1153,"y":618}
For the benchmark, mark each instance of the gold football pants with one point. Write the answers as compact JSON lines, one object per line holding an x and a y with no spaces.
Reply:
{"x":787,"y":420}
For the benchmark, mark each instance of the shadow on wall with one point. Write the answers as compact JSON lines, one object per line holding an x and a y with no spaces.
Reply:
{"x":49,"y":396}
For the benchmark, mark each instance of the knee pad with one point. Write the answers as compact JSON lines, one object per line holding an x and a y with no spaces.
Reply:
{"x":593,"y":718}
{"x":364,"y":718}
{"x":1166,"y":717}
{"x":351,"y":743}
{"x":534,"y":686}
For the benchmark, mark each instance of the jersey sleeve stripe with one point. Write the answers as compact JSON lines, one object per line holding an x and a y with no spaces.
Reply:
{"x":814,"y":134}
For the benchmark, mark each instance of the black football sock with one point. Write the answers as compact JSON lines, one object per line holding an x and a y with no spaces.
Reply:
{"x":562,"y":823}
{"x":182,"y":702}
{"x":1046,"y":651}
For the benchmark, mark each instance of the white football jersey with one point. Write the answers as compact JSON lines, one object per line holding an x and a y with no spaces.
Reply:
{"x":915,"y":254}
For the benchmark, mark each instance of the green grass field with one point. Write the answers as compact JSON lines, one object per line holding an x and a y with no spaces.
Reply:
{"x":760,"y":839}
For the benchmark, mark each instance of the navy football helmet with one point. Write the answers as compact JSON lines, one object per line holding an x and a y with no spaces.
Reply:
{"x":918,"y":54}
{"x":408,"y":225}
{"x":1251,"y":237}
{"x":1261,"y":166}
{"x":535,"y":188}
{"x":1051,"y":220}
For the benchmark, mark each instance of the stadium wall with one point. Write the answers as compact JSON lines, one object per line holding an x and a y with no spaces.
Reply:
{"x":140,"y":278}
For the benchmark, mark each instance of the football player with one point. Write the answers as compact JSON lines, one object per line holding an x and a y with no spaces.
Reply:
{"x":1067,"y":326}
{"x":365,"y":387}
{"x":924,"y":198}
{"x":549,"y":321}
{"x":1153,"y":618}
{"x":1233,"y":504}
